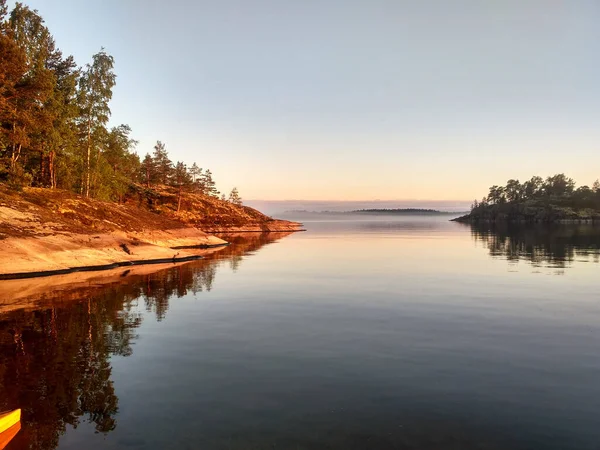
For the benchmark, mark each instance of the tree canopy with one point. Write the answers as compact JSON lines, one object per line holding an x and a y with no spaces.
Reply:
{"x":555,"y":198}
{"x":54,"y":121}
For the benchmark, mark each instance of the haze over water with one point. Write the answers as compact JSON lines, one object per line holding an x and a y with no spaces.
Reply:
{"x":407,"y":333}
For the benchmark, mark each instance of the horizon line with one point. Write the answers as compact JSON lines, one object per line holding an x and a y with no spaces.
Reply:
{"x":349,"y":201}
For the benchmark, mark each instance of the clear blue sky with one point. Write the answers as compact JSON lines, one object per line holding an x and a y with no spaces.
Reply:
{"x":352,"y":100}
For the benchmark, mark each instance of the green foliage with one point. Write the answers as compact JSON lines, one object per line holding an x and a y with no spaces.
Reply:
{"x":538,"y":200}
{"x":147,"y":170}
{"x":559,"y":185}
{"x":18,"y":178}
{"x":181,"y":176}
{"x":497,"y":195}
{"x":26,"y":46}
{"x":3,"y":10}
{"x":208,"y":184}
{"x":119,"y":166}
{"x":533,"y":188}
{"x":195,"y":172}
{"x":95,"y":91}
{"x":54,"y":121}
{"x":234,"y":197}
{"x":514,"y":190}
{"x":163,"y":167}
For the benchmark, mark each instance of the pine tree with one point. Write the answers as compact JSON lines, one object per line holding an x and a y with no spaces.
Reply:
{"x":26,"y":118}
{"x":147,"y":169}
{"x":195,"y":172}
{"x":163,"y":166}
{"x":209,"y":186}
{"x":182,"y":180}
{"x":61,"y":137}
{"x":181,"y":176}
{"x":198,"y":185}
{"x":197,"y":177}
{"x":234,"y":197}
{"x":12,"y":70}
{"x":123,"y":164}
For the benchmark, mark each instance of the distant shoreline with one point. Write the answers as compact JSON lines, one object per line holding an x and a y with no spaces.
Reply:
{"x":469,"y":219}
{"x":380,"y":212}
{"x":530,"y":212}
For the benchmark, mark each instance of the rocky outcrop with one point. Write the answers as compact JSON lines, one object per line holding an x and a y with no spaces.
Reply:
{"x":61,"y":253}
{"x":46,"y":232}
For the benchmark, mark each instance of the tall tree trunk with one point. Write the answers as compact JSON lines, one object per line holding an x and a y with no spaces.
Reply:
{"x":43,"y":172}
{"x":14,"y":157}
{"x":51,"y":169}
{"x":16,"y":150}
{"x":179,"y":199}
{"x":88,"y":166}
{"x":95,"y":179}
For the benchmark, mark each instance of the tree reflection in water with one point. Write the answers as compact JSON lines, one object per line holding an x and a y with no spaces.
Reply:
{"x":55,"y":351}
{"x":542,"y":245}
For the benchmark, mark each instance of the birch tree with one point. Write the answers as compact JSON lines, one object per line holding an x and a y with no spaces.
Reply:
{"x":95,"y":92}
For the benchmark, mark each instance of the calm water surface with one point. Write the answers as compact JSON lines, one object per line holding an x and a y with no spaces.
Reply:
{"x":414,"y":333}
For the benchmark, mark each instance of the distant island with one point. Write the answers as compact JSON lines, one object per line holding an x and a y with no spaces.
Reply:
{"x":553,"y":200}
{"x":378,"y":211}
{"x":401,"y":211}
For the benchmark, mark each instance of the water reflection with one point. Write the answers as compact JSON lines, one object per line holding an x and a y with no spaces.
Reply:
{"x":56,"y":344}
{"x":542,"y":245}
{"x":341,"y":337}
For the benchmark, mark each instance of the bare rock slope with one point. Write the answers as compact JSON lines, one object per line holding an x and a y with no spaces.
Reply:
{"x":45,"y":230}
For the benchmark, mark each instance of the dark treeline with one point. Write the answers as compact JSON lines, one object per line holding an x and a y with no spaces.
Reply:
{"x":54,"y":117}
{"x":537,"y":200}
{"x":558,"y":189}
{"x":553,"y":245}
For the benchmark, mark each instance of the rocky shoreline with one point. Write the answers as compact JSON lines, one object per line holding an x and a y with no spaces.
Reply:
{"x":25,"y":292}
{"x":44,"y":232}
{"x":60,"y":254}
{"x":40,"y":256}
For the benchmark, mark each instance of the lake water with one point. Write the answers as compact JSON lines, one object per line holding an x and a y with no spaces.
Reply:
{"x":413,"y":333}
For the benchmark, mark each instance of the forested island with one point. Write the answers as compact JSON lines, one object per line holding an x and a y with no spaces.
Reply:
{"x":74,"y":193}
{"x":555,"y":199}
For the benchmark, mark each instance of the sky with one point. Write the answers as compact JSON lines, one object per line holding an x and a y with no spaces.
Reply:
{"x":352,"y":100}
